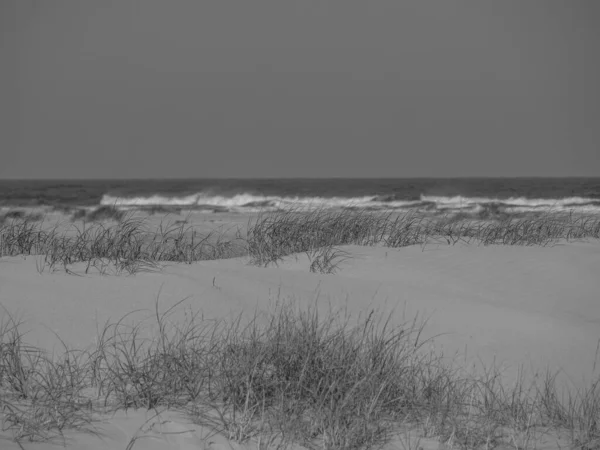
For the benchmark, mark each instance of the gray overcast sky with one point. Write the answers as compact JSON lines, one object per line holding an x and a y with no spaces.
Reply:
{"x":279,"y":88}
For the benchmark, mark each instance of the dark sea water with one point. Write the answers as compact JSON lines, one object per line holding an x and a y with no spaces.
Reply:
{"x":248,"y":195}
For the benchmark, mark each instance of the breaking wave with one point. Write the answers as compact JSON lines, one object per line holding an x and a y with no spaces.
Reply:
{"x":245,"y":202}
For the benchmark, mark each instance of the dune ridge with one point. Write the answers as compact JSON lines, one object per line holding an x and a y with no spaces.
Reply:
{"x":325,"y":329}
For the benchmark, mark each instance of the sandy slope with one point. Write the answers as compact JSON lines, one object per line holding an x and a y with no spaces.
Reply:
{"x":518,"y":305}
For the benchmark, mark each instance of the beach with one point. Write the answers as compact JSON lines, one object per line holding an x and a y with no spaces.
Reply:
{"x":299,"y":225}
{"x":485,"y":309}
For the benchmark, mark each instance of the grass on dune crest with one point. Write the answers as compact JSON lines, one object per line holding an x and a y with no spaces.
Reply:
{"x":273,"y":236}
{"x":129,"y":245}
{"x":285,"y":376}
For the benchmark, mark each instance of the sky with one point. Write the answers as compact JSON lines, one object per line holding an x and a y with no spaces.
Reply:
{"x":305,"y":88}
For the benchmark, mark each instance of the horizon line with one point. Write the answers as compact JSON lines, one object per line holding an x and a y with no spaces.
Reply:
{"x":301,"y":178}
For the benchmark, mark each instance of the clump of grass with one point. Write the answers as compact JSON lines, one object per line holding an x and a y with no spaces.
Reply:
{"x":273,"y":236}
{"x":23,"y":237}
{"x":287,"y":375}
{"x":326,"y":259}
{"x":40,"y":396}
{"x":128,"y":246}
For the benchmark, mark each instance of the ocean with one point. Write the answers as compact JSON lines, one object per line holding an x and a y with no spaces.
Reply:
{"x":579,"y":195}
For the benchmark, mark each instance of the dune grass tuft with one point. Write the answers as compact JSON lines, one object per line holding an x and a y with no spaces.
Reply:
{"x":272,"y":236}
{"x":128,"y":246}
{"x":286,"y":376}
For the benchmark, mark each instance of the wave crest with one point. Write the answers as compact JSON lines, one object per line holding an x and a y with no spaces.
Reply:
{"x":245,"y":202}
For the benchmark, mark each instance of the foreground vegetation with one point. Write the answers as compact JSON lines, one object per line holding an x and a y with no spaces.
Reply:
{"x":287,"y":376}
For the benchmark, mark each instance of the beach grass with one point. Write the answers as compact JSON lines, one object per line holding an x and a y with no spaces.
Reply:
{"x":286,"y":376}
{"x":128,"y":243}
{"x":272,"y":236}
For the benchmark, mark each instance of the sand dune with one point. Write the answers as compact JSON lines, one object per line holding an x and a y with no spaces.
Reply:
{"x":533,"y":306}
{"x":521,"y":309}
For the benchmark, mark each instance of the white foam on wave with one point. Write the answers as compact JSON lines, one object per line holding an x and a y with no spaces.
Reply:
{"x":512,"y":201}
{"x":250,"y":201}
{"x":245,"y":202}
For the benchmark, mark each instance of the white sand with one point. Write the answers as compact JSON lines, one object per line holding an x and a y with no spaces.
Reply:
{"x":532,"y":306}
